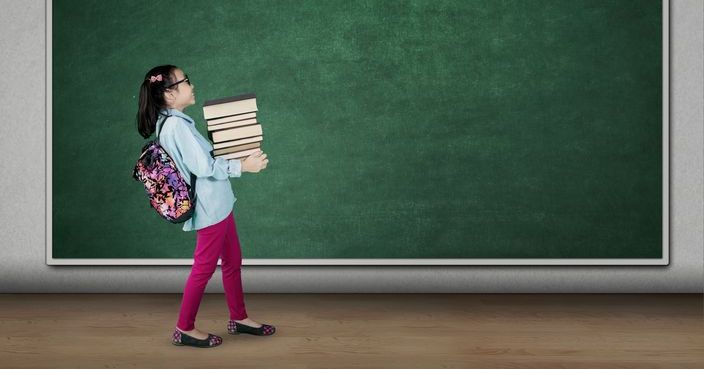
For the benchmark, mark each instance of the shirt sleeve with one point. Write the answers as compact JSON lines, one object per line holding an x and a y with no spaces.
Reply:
{"x":235,"y":167}
{"x":197,"y":160}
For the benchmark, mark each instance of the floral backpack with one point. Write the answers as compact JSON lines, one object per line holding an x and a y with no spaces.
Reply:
{"x":167,"y":190}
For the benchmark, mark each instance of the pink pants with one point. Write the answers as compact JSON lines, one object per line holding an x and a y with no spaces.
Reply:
{"x":218,"y":240}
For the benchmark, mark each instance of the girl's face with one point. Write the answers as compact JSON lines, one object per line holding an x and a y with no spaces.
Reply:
{"x":182,"y":93}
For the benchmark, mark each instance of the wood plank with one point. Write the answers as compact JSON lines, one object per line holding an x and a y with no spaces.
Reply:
{"x":329,"y":331}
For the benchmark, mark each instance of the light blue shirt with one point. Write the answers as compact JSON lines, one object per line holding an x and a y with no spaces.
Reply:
{"x":190,"y":152}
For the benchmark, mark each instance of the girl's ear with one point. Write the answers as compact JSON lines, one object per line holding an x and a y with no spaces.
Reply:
{"x":168,"y":95}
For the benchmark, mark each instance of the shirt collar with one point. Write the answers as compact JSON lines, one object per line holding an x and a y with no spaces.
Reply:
{"x":174,"y":112}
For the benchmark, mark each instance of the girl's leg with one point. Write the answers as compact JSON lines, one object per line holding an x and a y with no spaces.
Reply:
{"x":231,"y":271}
{"x":209,"y":241}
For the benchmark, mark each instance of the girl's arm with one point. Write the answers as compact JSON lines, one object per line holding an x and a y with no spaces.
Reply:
{"x":198,"y":161}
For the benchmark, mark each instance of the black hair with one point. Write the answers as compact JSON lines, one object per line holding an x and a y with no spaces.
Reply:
{"x":151,"y":98}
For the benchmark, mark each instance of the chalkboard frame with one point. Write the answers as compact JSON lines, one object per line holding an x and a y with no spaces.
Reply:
{"x":664,"y":260}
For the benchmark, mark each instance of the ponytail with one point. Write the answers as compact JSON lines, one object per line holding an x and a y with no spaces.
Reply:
{"x":151,"y":98}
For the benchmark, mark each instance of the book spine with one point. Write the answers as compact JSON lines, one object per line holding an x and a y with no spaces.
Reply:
{"x":243,"y":141}
{"x":238,"y":155}
{"x":240,"y":123}
{"x":230,"y":108}
{"x":235,"y":133}
{"x":238,"y":148}
{"x":231,"y":118}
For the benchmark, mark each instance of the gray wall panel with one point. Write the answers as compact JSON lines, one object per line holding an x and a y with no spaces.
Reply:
{"x":23,"y":184}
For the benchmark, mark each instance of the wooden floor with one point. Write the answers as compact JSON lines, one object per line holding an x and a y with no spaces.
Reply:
{"x":328,"y":331}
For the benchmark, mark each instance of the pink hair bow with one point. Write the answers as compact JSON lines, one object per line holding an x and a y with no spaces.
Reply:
{"x":152,"y":79}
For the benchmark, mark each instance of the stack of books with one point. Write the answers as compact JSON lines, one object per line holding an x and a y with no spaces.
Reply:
{"x":233,"y":127}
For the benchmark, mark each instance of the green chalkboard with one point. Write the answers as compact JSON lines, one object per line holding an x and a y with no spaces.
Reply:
{"x":425,"y":129}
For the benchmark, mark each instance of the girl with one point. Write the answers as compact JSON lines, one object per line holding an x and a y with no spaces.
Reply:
{"x":164,"y":93}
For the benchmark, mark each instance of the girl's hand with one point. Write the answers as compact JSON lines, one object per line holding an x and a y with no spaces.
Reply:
{"x":255,"y":162}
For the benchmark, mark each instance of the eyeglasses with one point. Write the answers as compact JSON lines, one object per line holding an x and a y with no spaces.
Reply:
{"x":183,"y":80}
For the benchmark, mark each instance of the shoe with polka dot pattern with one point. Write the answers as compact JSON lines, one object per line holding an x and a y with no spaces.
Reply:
{"x":181,"y":339}
{"x":236,"y":328}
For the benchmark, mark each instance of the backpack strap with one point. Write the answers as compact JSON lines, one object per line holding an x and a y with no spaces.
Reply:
{"x":193,"y":181}
{"x":159,"y":128}
{"x":162,"y":123}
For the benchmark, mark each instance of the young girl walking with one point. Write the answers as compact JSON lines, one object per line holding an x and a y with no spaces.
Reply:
{"x":164,"y":93}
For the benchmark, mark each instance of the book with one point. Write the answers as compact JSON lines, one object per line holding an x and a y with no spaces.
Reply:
{"x":232,"y":126}
{"x":231,"y":118}
{"x":235,"y":133}
{"x":238,"y":148}
{"x":227,"y":106}
{"x":238,"y":123}
{"x":243,"y":141}
{"x":239,"y":155}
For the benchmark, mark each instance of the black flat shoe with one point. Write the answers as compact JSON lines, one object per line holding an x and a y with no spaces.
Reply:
{"x":236,"y":328}
{"x":181,"y":339}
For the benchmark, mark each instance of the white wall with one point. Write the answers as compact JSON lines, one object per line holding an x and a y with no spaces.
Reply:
{"x":23,"y":194}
